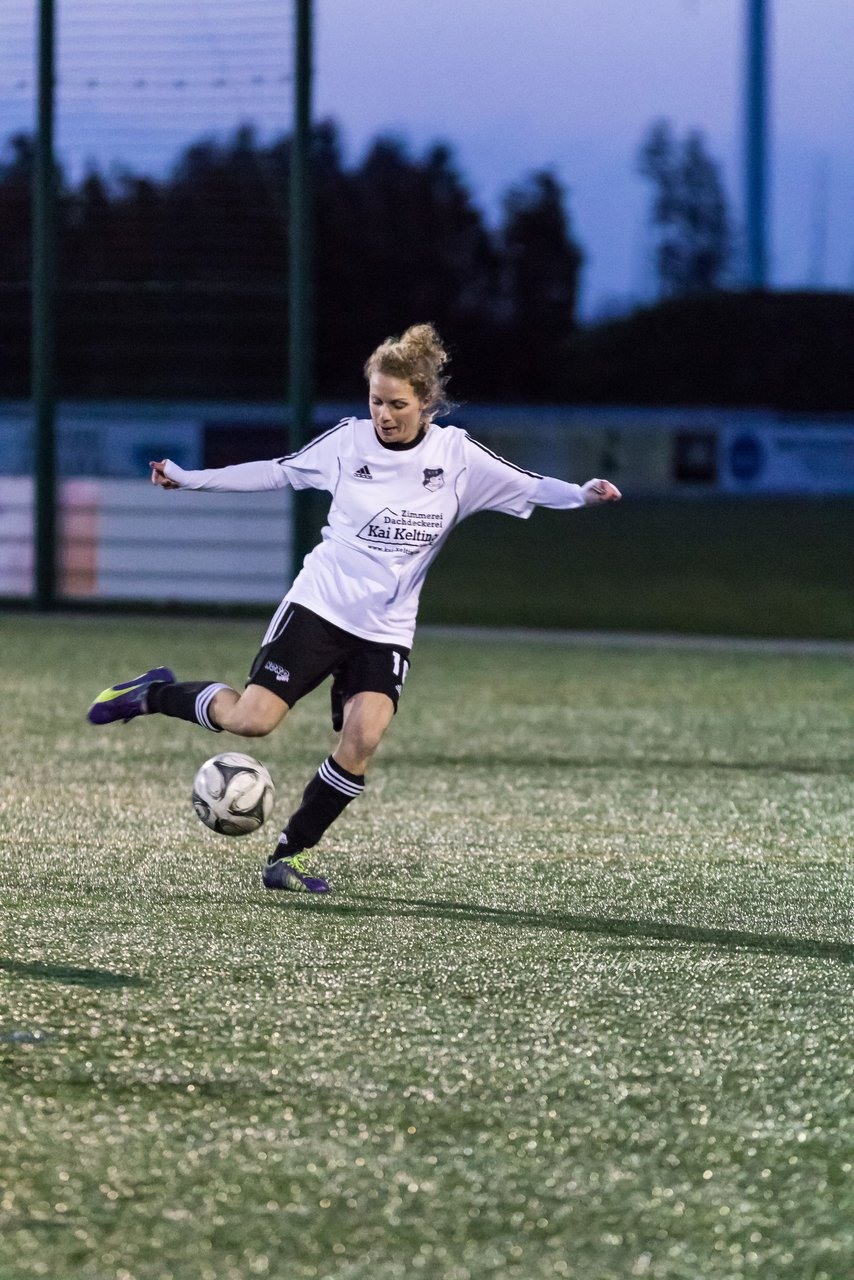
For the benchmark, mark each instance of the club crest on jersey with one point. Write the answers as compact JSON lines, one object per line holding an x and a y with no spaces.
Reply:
{"x":434,"y":478}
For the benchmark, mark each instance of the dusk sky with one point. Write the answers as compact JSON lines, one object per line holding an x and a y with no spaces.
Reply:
{"x":513,"y":85}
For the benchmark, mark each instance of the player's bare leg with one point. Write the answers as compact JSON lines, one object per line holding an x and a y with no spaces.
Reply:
{"x":252,"y":714}
{"x":340,"y":779}
{"x":366,"y":718}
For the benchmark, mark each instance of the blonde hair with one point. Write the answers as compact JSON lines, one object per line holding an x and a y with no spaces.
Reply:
{"x":417,"y":357}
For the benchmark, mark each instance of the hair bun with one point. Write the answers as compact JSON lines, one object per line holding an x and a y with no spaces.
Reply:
{"x":423,"y":342}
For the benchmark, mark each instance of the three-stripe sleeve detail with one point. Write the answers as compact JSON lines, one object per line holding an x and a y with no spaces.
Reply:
{"x":498,"y":458}
{"x":317,"y":439}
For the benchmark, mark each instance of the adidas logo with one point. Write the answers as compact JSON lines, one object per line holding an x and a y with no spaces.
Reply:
{"x":364,"y":473}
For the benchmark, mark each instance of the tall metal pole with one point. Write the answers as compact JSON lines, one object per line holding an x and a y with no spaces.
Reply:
{"x":300,"y":283}
{"x":756,"y":194}
{"x":43,"y":317}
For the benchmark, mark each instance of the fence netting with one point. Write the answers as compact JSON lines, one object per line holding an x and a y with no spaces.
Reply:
{"x":172,"y":127}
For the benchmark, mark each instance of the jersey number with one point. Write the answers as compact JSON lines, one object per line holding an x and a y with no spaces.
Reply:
{"x":398,"y":659}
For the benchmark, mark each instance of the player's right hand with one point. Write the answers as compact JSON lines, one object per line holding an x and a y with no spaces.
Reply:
{"x":600,"y":491}
{"x":159,"y":476}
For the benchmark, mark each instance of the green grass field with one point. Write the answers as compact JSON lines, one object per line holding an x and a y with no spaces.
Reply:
{"x":580,"y":1005}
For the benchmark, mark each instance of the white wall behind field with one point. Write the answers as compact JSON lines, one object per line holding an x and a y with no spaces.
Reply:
{"x":122,"y":540}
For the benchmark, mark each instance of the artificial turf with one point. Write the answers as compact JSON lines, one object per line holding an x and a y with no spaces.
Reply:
{"x":579,"y":1006}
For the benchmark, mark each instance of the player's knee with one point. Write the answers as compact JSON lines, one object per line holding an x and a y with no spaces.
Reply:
{"x":362,"y":740}
{"x":366,"y":718}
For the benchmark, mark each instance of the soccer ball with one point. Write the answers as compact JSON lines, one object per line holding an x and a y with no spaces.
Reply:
{"x":233,"y":794}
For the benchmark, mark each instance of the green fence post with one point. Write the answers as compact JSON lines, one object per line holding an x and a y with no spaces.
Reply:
{"x":44,"y":318}
{"x":299,"y":284}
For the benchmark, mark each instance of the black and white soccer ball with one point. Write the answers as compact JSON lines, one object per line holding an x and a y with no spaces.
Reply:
{"x":233,"y":794}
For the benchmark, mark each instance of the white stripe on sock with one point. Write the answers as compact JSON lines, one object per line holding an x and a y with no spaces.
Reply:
{"x":330,"y":775}
{"x":203,"y":701}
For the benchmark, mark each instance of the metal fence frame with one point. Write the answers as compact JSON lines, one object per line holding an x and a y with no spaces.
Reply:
{"x":43,"y":358}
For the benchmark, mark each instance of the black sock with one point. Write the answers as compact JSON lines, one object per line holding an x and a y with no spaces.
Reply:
{"x":324,"y":799}
{"x":188,"y":700}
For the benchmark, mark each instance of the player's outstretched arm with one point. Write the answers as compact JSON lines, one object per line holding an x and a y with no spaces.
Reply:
{"x":560,"y":495}
{"x":242,"y":477}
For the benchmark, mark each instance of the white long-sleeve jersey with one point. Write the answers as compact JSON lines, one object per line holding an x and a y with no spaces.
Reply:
{"x":391,"y":511}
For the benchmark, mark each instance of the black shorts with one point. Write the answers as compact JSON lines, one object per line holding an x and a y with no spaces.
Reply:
{"x":305,"y":649}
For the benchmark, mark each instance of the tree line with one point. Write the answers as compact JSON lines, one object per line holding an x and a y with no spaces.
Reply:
{"x":180,"y":283}
{"x":177,"y":286}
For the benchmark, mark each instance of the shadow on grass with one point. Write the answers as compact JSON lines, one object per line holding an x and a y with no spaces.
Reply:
{"x":65,"y":973}
{"x":820,"y":768}
{"x":609,"y":926}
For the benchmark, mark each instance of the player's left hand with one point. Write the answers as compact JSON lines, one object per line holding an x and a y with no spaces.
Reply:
{"x":600,"y":491}
{"x":159,"y":476}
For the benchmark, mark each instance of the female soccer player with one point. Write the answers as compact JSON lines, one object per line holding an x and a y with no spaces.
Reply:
{"x":399,"y":483}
